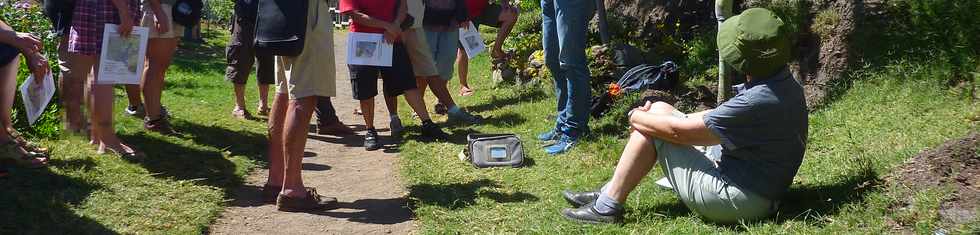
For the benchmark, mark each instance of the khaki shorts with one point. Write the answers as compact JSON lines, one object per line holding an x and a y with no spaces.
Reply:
{"x":703,"y":188}
{"x":418,"y":52}
{"x":313,"y":72}
{"x":149,"y":21}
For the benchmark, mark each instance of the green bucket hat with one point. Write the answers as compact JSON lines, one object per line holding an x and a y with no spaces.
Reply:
{"x":754,"y":42}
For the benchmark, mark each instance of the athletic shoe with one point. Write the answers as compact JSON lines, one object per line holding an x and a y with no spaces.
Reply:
{"x":464,"y":117}
{"x":371,"y":141}
{"x":433,"y":131}
{"x":549,"y":136}
{"x":335,"y":128}
{"x":564,"y":144}
{"x":588,"y":214}
{"x":440,"y":109}
{"x":396,"y":127}
{"x":136,"y":111}
{"x":311,"y":202}
{"x":578,"y":199}
{"x":161,"y":125}
{"x":241,"y":114}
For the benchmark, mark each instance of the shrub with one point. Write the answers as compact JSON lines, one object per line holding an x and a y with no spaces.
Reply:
{"x":29,"y":18}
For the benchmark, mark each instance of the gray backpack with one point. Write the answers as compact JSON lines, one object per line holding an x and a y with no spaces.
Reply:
{"x":493,"y":150}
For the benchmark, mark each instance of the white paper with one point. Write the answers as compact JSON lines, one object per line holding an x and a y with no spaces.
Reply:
{"x":36,"y":96}
{"x":368,"y":49}
{"x":471,"y":40}
{"x":121,"y":60}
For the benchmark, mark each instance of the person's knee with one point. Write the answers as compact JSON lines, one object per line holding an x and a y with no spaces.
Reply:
{"x":662,"y":106}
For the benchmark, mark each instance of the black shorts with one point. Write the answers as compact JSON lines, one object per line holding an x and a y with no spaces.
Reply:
{"x":7,"y":54}
{"x":240,"y":55}
{"x":397,"y":79}
{"x":489,"y":16}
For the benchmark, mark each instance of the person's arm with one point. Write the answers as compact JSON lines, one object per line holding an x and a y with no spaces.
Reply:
{"x":162,"y":21}
{"x":689,"y":131}
{"x":402,"y":13}
{"x":391,"y":30}
{"x":125,"y":21}
{"x":29,"y":45}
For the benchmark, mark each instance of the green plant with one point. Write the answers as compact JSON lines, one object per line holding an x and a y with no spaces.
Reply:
{"x":28,"y":18}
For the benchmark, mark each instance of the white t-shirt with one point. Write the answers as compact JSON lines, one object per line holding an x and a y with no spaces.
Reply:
{"x":417,"y":10}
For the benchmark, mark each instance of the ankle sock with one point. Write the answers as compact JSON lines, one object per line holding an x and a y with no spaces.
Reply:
{"x":606,"y":205}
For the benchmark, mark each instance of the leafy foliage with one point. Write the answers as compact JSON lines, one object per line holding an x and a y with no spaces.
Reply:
{"x":28,"y":18}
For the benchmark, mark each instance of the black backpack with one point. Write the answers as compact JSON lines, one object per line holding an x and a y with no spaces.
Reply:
{"x":641,"y":77}
{"x":187,"y":12}
{"x":280,"y":27}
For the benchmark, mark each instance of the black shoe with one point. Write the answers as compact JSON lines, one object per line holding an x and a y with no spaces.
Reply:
{"x":433,"y":131}
{"x":588,"y":214}
{"x":579,"y":199}
{"x":371,"y":142}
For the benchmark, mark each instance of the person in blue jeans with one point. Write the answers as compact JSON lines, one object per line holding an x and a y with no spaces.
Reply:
{"x":565,"y":27}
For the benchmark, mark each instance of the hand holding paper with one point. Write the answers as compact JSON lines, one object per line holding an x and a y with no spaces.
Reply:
{"x":36,"y":94}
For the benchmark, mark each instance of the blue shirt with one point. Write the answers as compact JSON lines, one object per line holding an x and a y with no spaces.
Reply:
{"x":763,"y":132}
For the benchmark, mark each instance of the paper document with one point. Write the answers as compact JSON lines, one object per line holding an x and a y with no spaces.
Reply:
{"x":36,"y":96}
{"x":121,"y":61}
{"x":471,"y":40}
{"x":368,"y":49}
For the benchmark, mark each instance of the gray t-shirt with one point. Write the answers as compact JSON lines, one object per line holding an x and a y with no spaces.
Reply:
{"x":763,"y":132}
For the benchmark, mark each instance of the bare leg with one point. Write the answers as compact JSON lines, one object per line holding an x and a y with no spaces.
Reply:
{"x":637,"y":159}
{"x":72,"y":87}
{"x":239,"y":96}
{"x":367,"y":111}
{"x":414,"y":98}
{"x":391,"y":102}
{"x":263,"y":96}
{"x":277,"y":120}
{"x":8,"y":87}
{"x":441,"y":90}
{"x":133,"y":91}
{"x":463,"y":66}
{"x":508,"y":17}
{"x":102,"y":104}
{"x":159,"y":53}
{"x":297,"y":124}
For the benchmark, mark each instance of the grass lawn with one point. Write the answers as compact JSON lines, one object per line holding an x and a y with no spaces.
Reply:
{"x":888,"y":115}
{"x":178,"y":189}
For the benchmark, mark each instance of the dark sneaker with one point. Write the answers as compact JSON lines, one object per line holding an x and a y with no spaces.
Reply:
{"x":564,"y":144}
{"x":396,"y":127}
{"x":311,"y":202}
{"x":269,"y":193}
{"x":464,"y":117}
{"x":241,"y":114}
{"x":135,"y":110}
{"x":161,"y":125}
{"x":335,"y":128}
{"x":549,"y":136}
{"x":433,"y":131}
{"x":371,"y":141}
{"x":440,"y":109}
{"x":578,"y":199}
{"x":588,"y":214}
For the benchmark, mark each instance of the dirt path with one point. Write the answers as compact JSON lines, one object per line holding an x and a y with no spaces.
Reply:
{"x":367,"y":184}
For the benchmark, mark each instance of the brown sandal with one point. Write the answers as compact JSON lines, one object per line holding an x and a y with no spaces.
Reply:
{"x":134,"y":155}
{"x":13,"y":153}
{"x":28,"y":145}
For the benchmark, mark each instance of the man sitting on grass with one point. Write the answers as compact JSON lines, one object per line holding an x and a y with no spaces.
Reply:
{"x":762,"y":133}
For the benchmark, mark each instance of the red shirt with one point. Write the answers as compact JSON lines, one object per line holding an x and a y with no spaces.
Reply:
{"x":378,"y":9}
{"x":475,"y":7}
